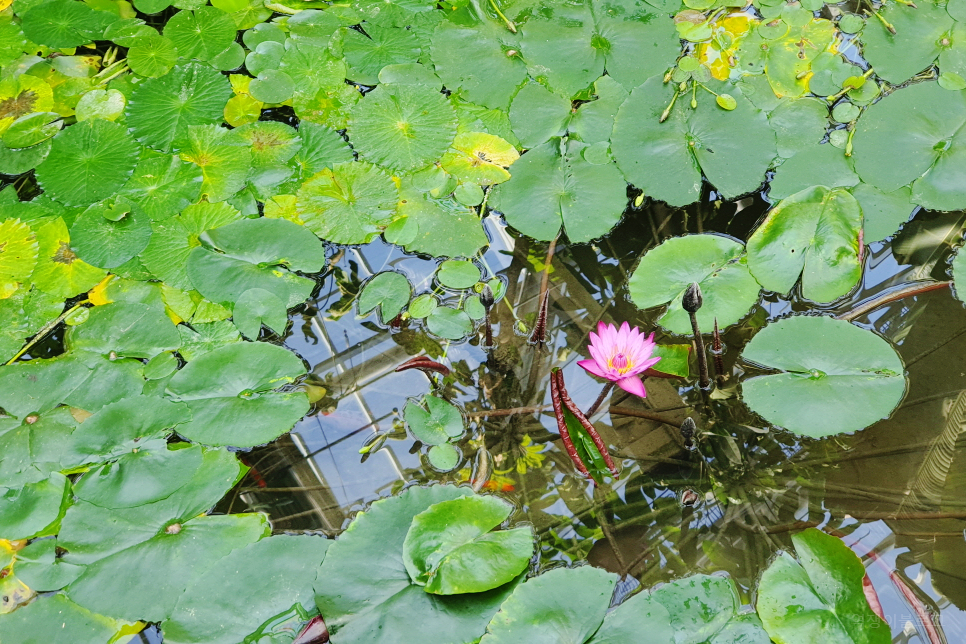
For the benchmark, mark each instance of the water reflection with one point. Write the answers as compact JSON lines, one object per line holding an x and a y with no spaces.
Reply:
{"x":895,"y":490}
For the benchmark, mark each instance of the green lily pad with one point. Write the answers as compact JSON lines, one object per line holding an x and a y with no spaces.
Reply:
{"x":224,"y":157}
{"x":666,"y":160}
{"x":437,"y":227}
{"x":88,"y":161}
{"x":120,"y":427}
{"x":47,"y":619}
{"x":451,"y":550}
{"x":149,"y":473}
{"x":560,"y":47}
{"x":776,"y":49}
{"x":365,"y":56}
{"x":264,"y":56}
{"x":204,"y":337}
{"x":480,"y":158}
{"x":153,"y":56}
{"x":442,"y":422}
{"x":63,"y":23}
{"x":410,"y":74}
{"x":18,"y":255}
{"x":163,"y":184}
{"x":675,"y":361}
{"x":915,"y":45}
{"x":816,"y":165}
{"x":422,"y":306}
{"x":458,"y":274}
{"x":129,"y":329}
{"x":240,"y":592}
{"x":390,"y":291}
{"x":27,"y":511}
{"x":375,"y":590}
{"x":146,"y":580}
{"x":443,"y":457}
{"x":272,"y":86}
{"x":636,"y":43}
{"x":102,"y":241}
{"x":402,"y":127}
{"x":594,"y":121}
{"x":256,"y":307}
{"x":90,"y":533}
{"x":229,"y":392}
{"x":915,"y":136}
{"x":799,"y":124}
{"x":322,"y":147}
{"x":158,"y":115}
{"x":537,"y":114}
{"x":348,"y":204}
{"x":836,"y":377}
{"x":824,"y":589}
{"x":549,"y":190}
{"x":33,"y":129}
{"x":238,"y":265}
{"x":882,"y":212}
{"x":39,"y":567}
{"x":59,"y":271}
{"x":32,"y":451}
{"x":449,"y":323}
{"x":716,"y":263}
{"x":561,"y":605}
{"x":815,"y":234}
{"x":15,"y":161}
{"x":202,"y":34}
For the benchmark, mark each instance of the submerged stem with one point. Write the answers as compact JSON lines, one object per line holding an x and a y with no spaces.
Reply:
{"x":600,"y":399}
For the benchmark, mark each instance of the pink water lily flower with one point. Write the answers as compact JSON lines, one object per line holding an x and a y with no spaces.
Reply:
{"x":619,"y":355}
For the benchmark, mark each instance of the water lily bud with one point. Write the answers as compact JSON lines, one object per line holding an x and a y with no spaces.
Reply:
{"x":174,"y":528}
{"x":689,"y":498}
{"x":687,"y":432}
{"x":692,"y":299}
{"x":31,"y":419}
{"x":486,"y":296}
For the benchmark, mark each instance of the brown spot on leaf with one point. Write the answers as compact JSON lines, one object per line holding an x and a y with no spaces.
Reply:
{"x":64,"y":254}
{"x":19,"y":105}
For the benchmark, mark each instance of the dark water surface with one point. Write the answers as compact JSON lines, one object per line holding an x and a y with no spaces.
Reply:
{"x":895,"y":492}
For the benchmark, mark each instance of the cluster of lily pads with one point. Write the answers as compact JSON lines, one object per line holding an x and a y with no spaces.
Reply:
{"x":139,"y":551}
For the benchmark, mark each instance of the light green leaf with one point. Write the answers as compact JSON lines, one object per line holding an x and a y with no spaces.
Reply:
{"x":914,"y":46}
{"x":348,"y":204}
{"x":458,"y":273}
{"x":128,"y":329}
{"x":449,"y":323}
{"x":390,"y":291}
{"x":256,"y":307}
{"x":537,"y":115}
{"x":201,"y":34}
{"x":443,"y":420}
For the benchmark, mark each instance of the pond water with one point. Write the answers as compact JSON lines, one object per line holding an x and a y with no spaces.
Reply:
{"x":893,"y":491}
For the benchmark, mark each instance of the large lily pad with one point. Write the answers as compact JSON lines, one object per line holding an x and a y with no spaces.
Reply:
{"x":835,"y":377}
{"x":553,"y":187}
{"x":203,"y":33}
{"x":163,"y":184}
{"x":60,"y":272}
{"x":229,"y":392}
{"x":245,"y":589}
{"x":27,"y":511}
{"x":818,"y":598}
{"x":666,"y":160}
{"x":57,"y":620}
{"x":896,"y":57}
{"x":348,"y":204}
{"x":88,"y":161}
{"x":122,"y":426}
{"x":815,"y":234}
{"x":376,"y":601}
{"x":438,"y":227}
{"x":63,"y":23}
{"x":562,"y":605}
{"x":451,"y":550}
{"x":224,"y":157}
{"x":146,"y":580}
{"x":402,"y":127}
{"x":18,"y":255}
{"x":715,"y":262}
{"x":101,"y":240}
{"x":128,"y":329}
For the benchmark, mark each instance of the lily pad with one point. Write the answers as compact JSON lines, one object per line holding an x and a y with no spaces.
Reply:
{"x":442,"y":422}
{"x":815,"y":165}
{"x":715,"y":262}
{"x":537,"y":114}
{"x":18,"y":255}
{"x":33,"y":129}
{"x":202,"y":34}
{"x":666,"y":160}
{"x":256,"y":307}
{"x":47,"y":619}
{"x":390,"y":291}
{"x":129,"y":329}
{"x":27,"y":511}
{"x":438,"y":227}
{"x":366,"y":55}
{"x":449,"y":323}
{"x":105,"y":242}
{"x":835,"y":377}
{"x":59,"y":271}
{"x":120,"y":427}
{"x":915,"y":45}
{"x":815,"y":234}
{"x":230,"y":393}
{"x":549,"y":190}
{"x":444,"y":457}
{"x":240,"y":592}
{"x":146,"y":580}
{"x":562,"y":605}
{"x":153,"y":56}
{"x":451,"y":550}
{"x":560,"y":48}
{"x":458,"y":274}
{"x":402,"y":127}
{"x":88,"y":161}
{"x":224,"y":157}
{"x":479,"y":158}
{"x":63,"y":23}
{"x":376,"y":600}
{"x":163,"y":184}
{"x":825,"y":588}
{"x":350,"y":203}
{"x":915,"y":135}
{"x":160,"y":110}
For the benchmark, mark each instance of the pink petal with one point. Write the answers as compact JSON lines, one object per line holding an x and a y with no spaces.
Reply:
{"x":592,"y":367}
{"x":595,"y":339}
{"x":601,"y":327}
{"x":632,"y":385}
{"x":647,"y":364}
{"x":598,"y":357}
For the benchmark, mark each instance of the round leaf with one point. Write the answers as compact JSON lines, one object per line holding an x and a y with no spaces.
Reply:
{"x":390,"y":291}
{"x":348,"y":204}
{"x":153,"y":56}
{"x":458,"y":274}
{"x":256,"y":307}
{"x":444,"y":457}
{"x":836,"y":377}
{"x":147,"y":474}
{"x":442,"y":422}
{"x":102,"y":241}
{"x":202,"y":34}
{"x":449,"y":323}
{"x":128,"y":329}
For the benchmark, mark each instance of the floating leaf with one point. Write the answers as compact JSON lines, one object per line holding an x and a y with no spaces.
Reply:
{"x":402,"y":127}
{"x":120,"y":427}
{"x":815,"y":234}
{"x":915,"y":136}
{"x":444,"y":457}
{"x":153,"y":56}
{"x":128,"y":329}
{"x":18,"y":255}
{"x":799,"y":124}
{"x":479,"y":158}
{"x":438,"y":227}
{"x":160,"y":110}
{"x":33,"y":129}
{"x":240,"y":592}
{"x":59,"y":271}
{"x":366,"y":55}
{"x":229,"y":393}
{"x":322,"y":147}
{"x":256,"y":307}
{"x":27,"y":511}
{"x":549,"y":190}
{"x":882,"y":212}
{"x":348,"y":204}
{"x":272,"y":86}
{"x":103,"y":241}
{"x":224,"y":158}
{"x":163,"y":185}
{"x":915,"y":45}
{"x":47,"y":619}
{"x":716,"y":263}
{"x":375,"y":589}
{"x":202,"y":34}
{"x":63,"y":23}
{"x":594,"y":121}
{"x":442,"y":422}
{"x":825,"y":587}
{"x":458,"y":274}
{"x":146,"y":580}
{"x":561,"y":605}
{"x":449,"y":323}
{"x":816,"y":165}
{"x":390,"y":291}
{"x":537,"y":114}
{"x":240,"y":265}
{"x":784,"y":50}
{"x":836,"y":377}
{"x":20,"y":160}
{"x":666,"y":160}
{"x":450,"y":548}
{"x":88,"y":161}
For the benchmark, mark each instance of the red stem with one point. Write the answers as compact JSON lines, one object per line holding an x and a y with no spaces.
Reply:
{"x":562,"y":424}
{"x":588,"y":426}
{"x":424,"y":363}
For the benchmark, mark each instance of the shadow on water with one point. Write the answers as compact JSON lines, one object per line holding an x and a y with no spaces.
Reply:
{"x":896,"y":490}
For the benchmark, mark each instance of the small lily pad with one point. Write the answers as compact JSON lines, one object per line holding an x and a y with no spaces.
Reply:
{"x":458,"y":274}
{"x":390,"y":291}
{"x":449,"y":323}
{"x":439,"y":422}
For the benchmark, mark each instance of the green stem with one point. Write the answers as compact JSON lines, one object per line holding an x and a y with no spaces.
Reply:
{"x":509,"y":23}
